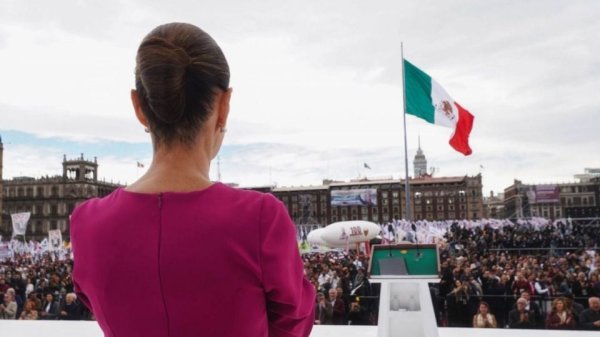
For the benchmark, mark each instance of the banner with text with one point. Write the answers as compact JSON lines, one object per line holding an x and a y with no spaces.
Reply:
{"x":544,"y":194}
{"x":358,"y":197}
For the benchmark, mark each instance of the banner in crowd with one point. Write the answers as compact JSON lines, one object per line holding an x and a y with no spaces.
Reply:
{"x":358,"y":197}
{"x":55,"y":239}
{"x":5,"y":252}
{"x":19,"y":221}
{"x":543,"y":194}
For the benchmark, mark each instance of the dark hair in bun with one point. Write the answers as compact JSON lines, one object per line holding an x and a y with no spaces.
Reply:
{"x":178,"y":70}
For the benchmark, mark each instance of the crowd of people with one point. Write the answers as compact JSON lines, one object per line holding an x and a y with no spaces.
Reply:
{"x":523,"y":276}
{"x":39,"y":288}
{"x":344,"y":294}
{"x":493,"y":275}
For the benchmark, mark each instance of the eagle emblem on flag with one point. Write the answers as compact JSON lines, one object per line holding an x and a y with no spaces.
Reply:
{"x":446,"y":108}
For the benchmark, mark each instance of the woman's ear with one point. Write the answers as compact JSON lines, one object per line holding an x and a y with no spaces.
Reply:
{"x":139,"y":114}
{"x":223,"y":108}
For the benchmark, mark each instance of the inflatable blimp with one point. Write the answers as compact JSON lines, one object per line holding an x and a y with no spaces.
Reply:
{"x":343,"y":233}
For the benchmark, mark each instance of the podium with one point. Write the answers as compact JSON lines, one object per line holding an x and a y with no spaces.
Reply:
{"x":405,"y":305}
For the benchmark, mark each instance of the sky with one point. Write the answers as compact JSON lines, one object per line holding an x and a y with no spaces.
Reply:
{"x":317,"y":86}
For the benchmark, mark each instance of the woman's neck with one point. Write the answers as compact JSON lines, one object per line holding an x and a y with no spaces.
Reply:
{"x":175,"y":169}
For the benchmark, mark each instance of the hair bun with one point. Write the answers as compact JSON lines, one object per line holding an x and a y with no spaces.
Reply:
{"x":179,"y":70}
{"x":162,"y":69}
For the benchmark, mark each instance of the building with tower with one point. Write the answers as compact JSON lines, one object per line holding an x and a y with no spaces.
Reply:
{"x":420,"y":162}
{"x":51,"y":200}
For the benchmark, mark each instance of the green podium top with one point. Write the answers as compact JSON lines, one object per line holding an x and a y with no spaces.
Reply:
{"x":406,"y":261}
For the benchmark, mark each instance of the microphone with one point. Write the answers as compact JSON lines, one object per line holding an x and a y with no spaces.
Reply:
{"x":414,"y":228}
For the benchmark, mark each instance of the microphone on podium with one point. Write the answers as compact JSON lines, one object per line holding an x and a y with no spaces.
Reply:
{"x":414,"y":228}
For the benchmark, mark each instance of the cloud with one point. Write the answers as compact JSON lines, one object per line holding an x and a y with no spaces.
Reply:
{"x":317,"y":85}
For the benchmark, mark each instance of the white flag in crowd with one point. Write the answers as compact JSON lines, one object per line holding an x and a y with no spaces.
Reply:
{"x":55,"y":238}
{"x":19,"y":221}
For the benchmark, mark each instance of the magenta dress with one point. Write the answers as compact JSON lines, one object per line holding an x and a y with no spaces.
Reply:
{"x":215,"y":262}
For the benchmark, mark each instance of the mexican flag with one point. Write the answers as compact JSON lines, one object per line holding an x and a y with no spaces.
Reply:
{"x":426,"y":99}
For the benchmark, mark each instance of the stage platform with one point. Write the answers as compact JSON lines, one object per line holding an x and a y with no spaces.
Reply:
{"x":91,"y":329}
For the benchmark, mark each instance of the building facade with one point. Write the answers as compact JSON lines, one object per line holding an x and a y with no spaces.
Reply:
{"x":574,"y":200}
{"x":51,"y":200}
{"x":494,"y":206}
{"x":443,"y":198}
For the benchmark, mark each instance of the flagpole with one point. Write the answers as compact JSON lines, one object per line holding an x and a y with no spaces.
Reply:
{"x":406,"y":181}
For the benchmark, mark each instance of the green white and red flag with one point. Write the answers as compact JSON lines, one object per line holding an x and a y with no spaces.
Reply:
{"x":426,"y":99}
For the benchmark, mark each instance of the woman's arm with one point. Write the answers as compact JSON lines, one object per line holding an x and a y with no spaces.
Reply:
{"x":290,"y":296}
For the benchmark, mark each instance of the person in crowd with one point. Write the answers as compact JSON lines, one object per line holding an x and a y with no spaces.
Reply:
{"x":29,"y":312}
{"x":323,"y":311}
{"x":3,"y":285}
{"x":458,"y":304}
{"x":589,"y":319}
{"x":574,"y":307}
{"x":339,"y":308}
{"x":559,"y":317}
{"x":8,"y":309}
{"x":33,"y":297}
{"x":70,"y":309}
{"x":181,"y":99}
{"x":484,"y":318}
{"x":357,"y":315}
{"x":532,"y":306}
{"x":521,"y":317}
{"x":50,"y":308}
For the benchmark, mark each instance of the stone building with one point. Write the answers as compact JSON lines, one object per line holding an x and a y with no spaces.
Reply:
{"x":574,"y":199}
{"x":432,"y":198}
{"x":51,"y":199}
